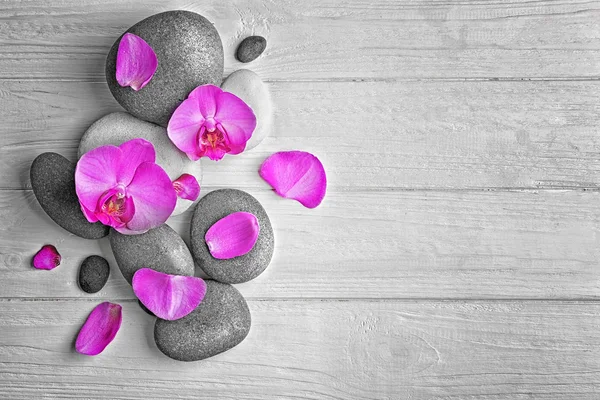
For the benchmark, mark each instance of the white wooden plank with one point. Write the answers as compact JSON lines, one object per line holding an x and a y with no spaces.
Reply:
{"x":324,"y":39}
{"x":365,"y":245}
{"x":318,"y":350}
{"x":370,"y":135}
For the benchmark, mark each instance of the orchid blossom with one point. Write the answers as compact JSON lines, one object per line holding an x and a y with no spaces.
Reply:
{"x":211,"y":123}
{"x":124,"y":188}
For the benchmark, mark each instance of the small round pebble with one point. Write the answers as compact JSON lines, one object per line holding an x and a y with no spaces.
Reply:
{"x":248,"y":86}
{"x":53,"y":183}
{"x":160,"y":249}
{"x":93,"y":274}
{"x":213,"y":207}
{"x":190,"y":54}
{"x":251,"y":48}
{"x":219,"y":323}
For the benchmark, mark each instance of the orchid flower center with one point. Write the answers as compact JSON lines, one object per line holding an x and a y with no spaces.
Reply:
{"x":212,"y":141}
{"x":116,"y":205}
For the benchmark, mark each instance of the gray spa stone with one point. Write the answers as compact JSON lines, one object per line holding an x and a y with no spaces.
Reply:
{"x":213,"y":207}
{"x":219,"y":323}
{"x":53,"y":183}
{"x":160,"y":249}
{"x":119,"y":127}
{"x":248,"y":86}
{"x":93,"y":274}
{"x":251,"y":48}
{"x":190,"y":54}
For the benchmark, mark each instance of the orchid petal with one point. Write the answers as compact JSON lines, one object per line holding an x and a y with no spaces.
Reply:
{"x":237,"y":139}
{"x":206,"y":99}
{"x":47,"y":258}
{"x":153,"y":196}
{"x":136,"y":62}
{"x":231,"y":110}
{"x":187,"y":187}
{"x":233,"y":235}
{"x":99,"y":329}
{"x":95,"y":174}
{"x":296,"y":175}
{"x":133,"y":153}
{"x":169,"y":297}
{"x":183,"y":127}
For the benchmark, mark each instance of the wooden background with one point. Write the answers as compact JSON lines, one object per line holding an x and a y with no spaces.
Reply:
{"x":456,"y":255}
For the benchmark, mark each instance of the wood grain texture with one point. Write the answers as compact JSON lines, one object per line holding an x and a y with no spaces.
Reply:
{"x":318,"y":350}
{"x":366,"y":245}
{"x":456,"y":255}
{"x":370,"y":135}
{"x":331,"y":39}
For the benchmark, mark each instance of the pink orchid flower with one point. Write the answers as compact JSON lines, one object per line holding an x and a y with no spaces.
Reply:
{"x":124,"y":188}
{"x":211,"y":123}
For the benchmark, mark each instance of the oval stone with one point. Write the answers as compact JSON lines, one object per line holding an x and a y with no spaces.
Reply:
{"x":213,"y":207}
{"x":119,"y":127}
{"x":93,"y":274}
{"x":160,"y":249}
{"x":53,"y":183}
{"x":190,"y":54}
{"x":251,"y":48}
{"x":248,"y":86}
{"x":219,"y":323}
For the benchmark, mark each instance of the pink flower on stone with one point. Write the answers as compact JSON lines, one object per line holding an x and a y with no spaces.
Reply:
{"x":136,"y":62}
{"x":211,"y":123}
{"x":122,"y":187}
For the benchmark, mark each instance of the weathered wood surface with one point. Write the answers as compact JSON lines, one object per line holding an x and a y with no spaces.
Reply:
{"x":318,"y":350}
{"x":370,"y":135}
{"x":324,"y":39}
{"x":457,"y":253}
{"x":437,"y":245}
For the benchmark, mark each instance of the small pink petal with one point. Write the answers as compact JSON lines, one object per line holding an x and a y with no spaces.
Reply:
{"x":296,"y":175}
{"x":99,"y":329}
{"x":187,"y":187}
{"x":233,"y":235}
{"x":136,"y":62}
{"x":47,"y":258}
{"x":169,"y":297}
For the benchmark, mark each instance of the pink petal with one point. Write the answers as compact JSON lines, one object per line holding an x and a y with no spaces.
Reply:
{"x":187,"y":187}
{"x":133,"y":153}
{"x":47,"y":258}
{"x":136,"y":62}
{"x":232,"y":111}
{"x":153,"y":196}
{"x":169,"y":297}
{"x":95,"y":174}
{"x":99,"y":329}
{"x":296,"y":175}
{"x":206,"y":99}
{"x":233,"y":235}
{"x":183,"y":127}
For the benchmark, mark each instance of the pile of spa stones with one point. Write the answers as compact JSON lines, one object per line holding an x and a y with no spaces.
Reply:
{"x":191,"y":55}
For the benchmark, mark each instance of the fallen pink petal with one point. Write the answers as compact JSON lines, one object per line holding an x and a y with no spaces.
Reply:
{"x":211,"y":123}
{"x":99,"y":329}
{"x":169,"y":297}
{"x":296,"y":175}
{"x":233,"y":235}
{"x":47,"y":258}
{"x":136,"y":62}
{"x":124,"y":188}
{"x":187,"y":187}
